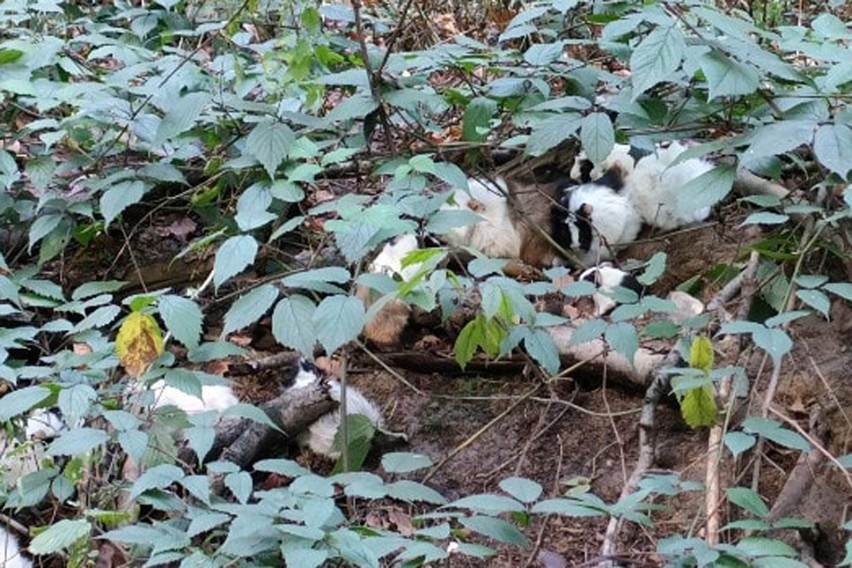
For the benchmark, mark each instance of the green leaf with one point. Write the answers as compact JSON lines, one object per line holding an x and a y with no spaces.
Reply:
{"x":541,"y":54}
{"x":470,"y":338}
{"x":772,"y":430}
{"x":41,"y":227}
{"x":252,"y":207}
{"x":761,"y":546}
{"x":268,"y":143}
{"x":77,"y":441}
{"x":623,"y":338}
{"x":567,"y":507}
{"x":181,"y":115}
{"x":833,"y":148}
{"x":90,"y":289}
{"x":60,"y":536}
{"x":119,"y":197}
{"x":476,"y":122}
{"x":776,"y":342}
{"x":240,"y":484}
{"x":701,"y":354}
{"x":497,"y":529}
{"x":158,"y":477}
{"x":337,"y":320}
{"x":726,"y":77}
{"x":17,"y":402}
{"x":765,"y":218}
{"x":404,"y":462}
{"x":356,"y":106}
{"x":698,"y":407}
{"x":183,"y":318}
{"x":588,"y":331}
{"x":319,"y":279}
{"x":552,"y":131}
{"x":778,"y":138}
{"x":811,"y":280}
{"x":815,"y":299}
{"x":292,"y":323}
{"x":706,"y":190}
{"x":653,"y":269}
{"x":597,"y":136}
{"x":737,"y":442}
{"x":656,"y":58}
{"x":488,"y":504}
{"x":304,"y":557}
{"x":524,"y":490}
{"x":749,"y":500}
{"x":842,"y":289}
{"x":412,"y":491}
{"x":232,"y":257}
{"x":541,"y":347}
{"x":249,"y":308}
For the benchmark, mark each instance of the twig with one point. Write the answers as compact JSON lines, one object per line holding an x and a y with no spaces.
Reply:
{"x":533,"y":556}
{"x":713,"y":496}
{"x":458,"y":449}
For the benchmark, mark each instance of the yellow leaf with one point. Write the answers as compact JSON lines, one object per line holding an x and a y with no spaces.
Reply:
{"x":701,"y":354}
{"x":699,"y":407}
{"x":138,"y":343}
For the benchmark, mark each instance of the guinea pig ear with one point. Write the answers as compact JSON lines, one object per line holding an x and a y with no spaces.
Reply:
{"x":585,"y":210}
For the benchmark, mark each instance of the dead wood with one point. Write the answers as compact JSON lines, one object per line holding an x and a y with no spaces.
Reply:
{"x":243,"y":441}
{"x":277,"y":361}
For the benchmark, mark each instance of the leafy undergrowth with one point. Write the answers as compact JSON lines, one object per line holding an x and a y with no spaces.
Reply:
{"x":187,"y":185}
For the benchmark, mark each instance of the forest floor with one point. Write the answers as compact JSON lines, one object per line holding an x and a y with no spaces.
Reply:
{"x":582,"y":431}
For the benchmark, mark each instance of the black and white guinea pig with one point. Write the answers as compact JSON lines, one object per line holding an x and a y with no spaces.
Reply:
{"x":319,"y":436}
{"x":606,"y":279}
{"x":591,"y":217}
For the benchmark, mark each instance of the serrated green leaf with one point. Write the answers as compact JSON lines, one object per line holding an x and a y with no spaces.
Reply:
{"x":776,"y":342}
{"x":404,"y":462}
{"x":476,"y":122}
{"x":842,"y":289}
{"x":292,"y":323}
{"x":233,"y":257}
{"x":470,"y":338}
{"x":182,"y":317}
{"x":522,"y":489}
{"x":653,"y":269}
{"x":815,"y":299}
{"x":19,"y":401}
{"x":77,"y":441}
{"x":337,"y":320}
{"x":268,"y":143}
{"x":623,"y":338}
{"x":356,"y":106}
{"x":90,"y":289}
{"x":253,"y":207}
{"x":778,"y":138}
{"x":833,"y":148}
{"x":412,"y":491}
{"x":488,"y":504}
{"x":60,"y":536}
{"x":706,"y":190}
{"x":181,"y":115}
{"x":588,"y":331}
{"x":240,"y":484}
{"x":119,"y":197}
{"x":41,"y":227}
{"x":772,"y":430}
{"x":541,"y":347}
{"x":550,"y":132}
{"x":249,"y":308}
{"x":656,"y":58}
{"x":698,"y":407}
{"x":541,"y":54}
{"x":497,"y":529}
{"x":597,"y":136}
{"x":749,"y":500}
{"x":701,"y":354}
{"x":727,"y":77}
{"x":737,"y":442}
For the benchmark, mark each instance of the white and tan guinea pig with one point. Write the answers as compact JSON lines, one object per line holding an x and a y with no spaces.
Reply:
{"x":386,"y":327}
